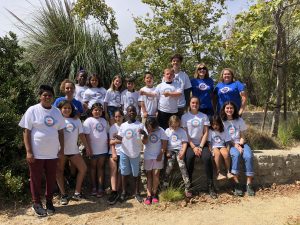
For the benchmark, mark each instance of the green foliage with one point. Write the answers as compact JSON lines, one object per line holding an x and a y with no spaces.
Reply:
{"x":185,"y":27}
{"x":58,"y":43}
{"x":171,"y":194}
{"x":288,"y":132}
{"x":15,"y":97}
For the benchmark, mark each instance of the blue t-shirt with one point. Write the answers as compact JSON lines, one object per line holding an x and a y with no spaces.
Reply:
{"x":77,"y":104}
{"x":203,"y":89}
{"x":229,"y":92}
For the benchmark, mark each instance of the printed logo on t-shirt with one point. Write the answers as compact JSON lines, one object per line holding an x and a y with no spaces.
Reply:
{"x":195,"y":122}
{"x":131,"y":101}
{"x":117,"y":99}
{"x":217,"y":139}
{"x":70,"y":127}
{"x":129,"y":133}
{"x":153,"y":138}
{"x":167,"y":90}
{"x":99,"y":95}
{"x":99,"y":127}
{"x":225,"y":90}
{"x":203,"y":86}
{"x":49,"y":121}
{"x":81,"y":93}
{"x":150,"y":98}
{"x":232,"y":131}
{"x":174,"y":137}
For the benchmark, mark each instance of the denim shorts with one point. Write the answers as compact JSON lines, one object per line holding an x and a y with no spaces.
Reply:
{"x":129,"y":165}
{"x":97,"y":156}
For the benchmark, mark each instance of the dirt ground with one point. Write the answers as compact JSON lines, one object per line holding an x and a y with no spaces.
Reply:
{"x":279,"y":204}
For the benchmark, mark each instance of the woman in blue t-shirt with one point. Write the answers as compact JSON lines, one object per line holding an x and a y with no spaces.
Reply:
{"x":202,"y":87}
{"x":230,"y":89}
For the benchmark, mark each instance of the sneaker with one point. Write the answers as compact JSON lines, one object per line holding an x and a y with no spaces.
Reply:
{"x":155,"y":199}
{"x":64,"y":200}
{"x":113,"y":198}
{"x":39,"y":210}
{"x":123,"y":197}
{"x":250,"y":190}
{"x":188,"y":194}
{"x":221,"y":177}
{"x":238,"y":190}
{"x":50,"y":208}
{"x":94,"y":192}
{"x":211,"y":189}
{"x":100,"y":194}
{"x":78,"y":196}
{"x":138,"y":198}
{"x":148,"y":200}
{"x":229,"y":175}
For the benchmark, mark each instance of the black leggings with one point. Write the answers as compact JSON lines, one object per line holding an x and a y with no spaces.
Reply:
{"x":163,"y":119}
{"x":206,"y":158}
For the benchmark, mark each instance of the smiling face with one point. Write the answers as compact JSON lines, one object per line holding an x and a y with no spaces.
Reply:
{"x":66,"y":110}
{"x":94,"y":82}
{"x":130,"y":85}
{"x":216,"y":126}
{"x":148,"y":80}
{"x":118,"y":117}
{"x":69,"y":89}
{"x":131,"y":112}
{"x":81,"y":78}
{"x":46,"y":99}
{"x":194,"y":104}
{"x":201,"y":72}
{"x":97,"y":112}
{"x":168,"y":75}
{"x":229,"y":110}
{"x":117,"y":82}
{"x":176,"y":63}
{"x":227,"y":76}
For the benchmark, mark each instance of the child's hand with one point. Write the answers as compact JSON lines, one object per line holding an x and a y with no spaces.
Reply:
{"x":114,"y":157}
{"x":142,"y":92}
{"x":181,"y":155}
{"x":168,"y":155}
{"x":30,"y":158}
{"x":239,"y":148}
{"x":166,"y":93}
{"x":88,"y":151}
{"x":159,"y":157}
{"x":142,"y":132}
{"x":145,"y":114}
{"x":59,"y":154}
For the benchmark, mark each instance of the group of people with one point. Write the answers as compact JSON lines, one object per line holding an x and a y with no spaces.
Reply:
{"x":167,"y":123}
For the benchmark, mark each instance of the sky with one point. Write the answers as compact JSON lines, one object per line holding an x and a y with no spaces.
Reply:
{"x":124,"y":9}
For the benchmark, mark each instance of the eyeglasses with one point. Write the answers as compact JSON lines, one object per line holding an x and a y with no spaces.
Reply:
{"x":202,"y":68}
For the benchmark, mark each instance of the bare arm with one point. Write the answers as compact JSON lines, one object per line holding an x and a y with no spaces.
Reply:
{"x":86,"y":144}
{"x":183,"y":150}
{"x":143,"y":107}
{"x":172,"y":94}
{"x":61,"y":142}
{"x":27,"y":143}
{"x":244,"y":102}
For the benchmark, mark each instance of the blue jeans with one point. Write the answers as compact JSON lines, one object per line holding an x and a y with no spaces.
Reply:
{"x":236,"y":158}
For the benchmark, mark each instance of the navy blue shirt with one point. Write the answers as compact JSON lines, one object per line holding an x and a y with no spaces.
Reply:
{"x":203,"y":89}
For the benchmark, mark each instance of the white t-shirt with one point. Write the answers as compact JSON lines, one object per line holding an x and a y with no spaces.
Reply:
{"x":97,"y":129}
{"x":71,"y":132}
{"x":94,"y":95}
{"x":154,"y":144}
{"x":183,"y":79}
{"x":114,"y":129}
{"x":168,"y":104}
{"x":44,"y":125}
{"x":79,"y":92}
{"x":150,"y":102}
{"x":131,"y":138}
{"x":130,"y":98}
{"x":195,"y":125}
{"x":176,"y":138}
{"x":233,"y":129}
{"x":113,"y":98}
{"x":217,"y":139}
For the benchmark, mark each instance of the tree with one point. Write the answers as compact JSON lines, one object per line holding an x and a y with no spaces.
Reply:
{"x":185,"y":27}
{"x":59,"y":43}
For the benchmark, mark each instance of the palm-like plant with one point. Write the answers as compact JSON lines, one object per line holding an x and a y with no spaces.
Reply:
{"x":58,"y":43}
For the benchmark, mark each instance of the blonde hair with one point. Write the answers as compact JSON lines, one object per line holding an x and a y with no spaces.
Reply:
{"x":112,"y":86}
{"x":63,"y":84}
{"x":201,"y":65}
{"x":231,"y":72}
{"x":174,"y":120}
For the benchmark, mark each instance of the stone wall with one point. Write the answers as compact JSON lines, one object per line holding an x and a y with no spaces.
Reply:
{"x":270,"y":166}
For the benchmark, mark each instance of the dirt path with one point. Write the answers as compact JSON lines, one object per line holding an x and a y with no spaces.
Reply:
{"x":276,"y":205}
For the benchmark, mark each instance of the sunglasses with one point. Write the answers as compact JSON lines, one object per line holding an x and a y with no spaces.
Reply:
{"x":202,"y":68}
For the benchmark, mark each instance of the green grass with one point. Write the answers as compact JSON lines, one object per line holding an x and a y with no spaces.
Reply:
{"x":288,"y":132}
{"x":171,"y":195}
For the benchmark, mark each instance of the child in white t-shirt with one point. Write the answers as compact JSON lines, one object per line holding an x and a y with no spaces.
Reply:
{"x":114,"y":159}
{"x":72,"y":131}
{"x":218,"y":145}
{"x":129,"y":96}
{"x":177,"y":145}
{"x":132,"y":135}
{"x":95,"y":92}
{"x":148,"y":103}
{"x":96,"y":130}
{"x":80,"y":86}
{"x":153,"y":158}
{"x":112,"y":100}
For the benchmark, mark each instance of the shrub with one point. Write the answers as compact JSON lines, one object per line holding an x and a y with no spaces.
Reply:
{"x":171,"y":194}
